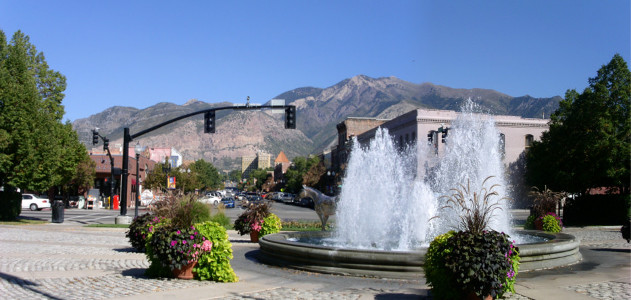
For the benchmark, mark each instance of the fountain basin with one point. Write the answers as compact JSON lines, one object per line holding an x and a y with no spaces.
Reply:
{"x":277,"y":249}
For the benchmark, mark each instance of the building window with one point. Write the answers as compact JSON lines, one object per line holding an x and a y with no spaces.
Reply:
{"x":502,"y":145}
{"x":529,"y":140}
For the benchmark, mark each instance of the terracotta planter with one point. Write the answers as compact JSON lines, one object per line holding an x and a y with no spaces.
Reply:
{"x":186,"y":272}
{"x":473,"y":296}
{"x":254,"y":236}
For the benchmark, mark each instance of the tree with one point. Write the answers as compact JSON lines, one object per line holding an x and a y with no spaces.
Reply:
{"x":37,"y":151}
{"x":261,"y":177}
{"x":588,"y":143}
{"x":296,"y":173}
{"x":207,"y":176}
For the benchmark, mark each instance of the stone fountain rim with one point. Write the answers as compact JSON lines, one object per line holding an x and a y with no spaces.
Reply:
{"x":561,"y":250}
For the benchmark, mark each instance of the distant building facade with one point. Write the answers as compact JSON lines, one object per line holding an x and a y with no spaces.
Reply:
{"x":412,"y":127}
{"x":252,"y":162}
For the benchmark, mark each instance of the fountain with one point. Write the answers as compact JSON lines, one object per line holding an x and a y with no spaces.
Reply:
{"x":389,"y":209}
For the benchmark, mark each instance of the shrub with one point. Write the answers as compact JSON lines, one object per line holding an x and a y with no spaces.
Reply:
{"x":271,"y":224}
{"x":252,"y":218}
{"x":221,"y":218}
{"x":215,"y":265}
{"x":176,"y":247}
{"x":545,"y":201}
{"x":183,"y":210}
{"x":11,"y":203}
{"x":530,"y":222}
{"x":481,"y":263}
{"x":137,"y":233}
{"x":156,"y":268}
{"x":436,"y":275}
{"x":551,"y":223}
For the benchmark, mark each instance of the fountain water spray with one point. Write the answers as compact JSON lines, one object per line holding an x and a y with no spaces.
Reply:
{"x":386,"y":203}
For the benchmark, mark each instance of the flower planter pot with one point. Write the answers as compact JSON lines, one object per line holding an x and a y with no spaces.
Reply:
{"x":254,"y":236}
{"x":186,"y":272}
{"x":473,"y":296}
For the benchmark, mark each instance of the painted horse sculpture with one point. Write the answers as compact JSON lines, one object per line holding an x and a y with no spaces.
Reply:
{"x":324,"y":205}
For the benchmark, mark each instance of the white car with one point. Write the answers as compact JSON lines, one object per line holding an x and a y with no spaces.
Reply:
{"x":211,"y":199}
{"x":34,"y":202}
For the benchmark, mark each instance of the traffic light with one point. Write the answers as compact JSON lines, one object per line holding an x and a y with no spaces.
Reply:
{"x":95,"y":137}
{"x":445,"y":132}
{"x":430,"y":137}
{"x":290,"y":117}
{"x":106,"y":143}
{"x":209,"y":122}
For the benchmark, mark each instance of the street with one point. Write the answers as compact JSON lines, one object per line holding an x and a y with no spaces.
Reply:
{"x":286,"y":212}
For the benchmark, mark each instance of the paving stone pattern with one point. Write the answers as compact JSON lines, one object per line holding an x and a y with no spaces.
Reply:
{"x":75,"y":263}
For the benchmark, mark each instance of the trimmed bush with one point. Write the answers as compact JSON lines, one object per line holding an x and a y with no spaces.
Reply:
{"x":11,"y":203}
{"x":271,"y":224}
{"x":216,"y":264}
{"x":530,"y":222}
{"x":596,"y":210}
{"x":137,"y":233}
{"x":481,"y":263}
{"x":436,"y":275}
{"x":551,"y":223}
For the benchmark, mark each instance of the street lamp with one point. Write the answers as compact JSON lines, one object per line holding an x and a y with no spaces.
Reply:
{"x":138,"y":149}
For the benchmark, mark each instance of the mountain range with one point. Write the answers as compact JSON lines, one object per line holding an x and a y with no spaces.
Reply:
{"x":319,"y":110}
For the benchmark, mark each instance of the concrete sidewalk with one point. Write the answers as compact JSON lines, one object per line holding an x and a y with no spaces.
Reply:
{"x":57,"y":261}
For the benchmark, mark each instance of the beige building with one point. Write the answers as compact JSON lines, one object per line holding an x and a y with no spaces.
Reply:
{"x":518,"y":133}
{"x":252,"y":162}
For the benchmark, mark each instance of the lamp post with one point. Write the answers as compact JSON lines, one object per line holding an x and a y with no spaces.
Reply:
{"x":138,"y":149}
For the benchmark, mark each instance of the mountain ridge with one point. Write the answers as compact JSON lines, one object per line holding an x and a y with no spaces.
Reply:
{"x":319,"y":110}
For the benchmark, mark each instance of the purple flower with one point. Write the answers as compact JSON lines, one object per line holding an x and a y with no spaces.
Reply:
{"x":179,"y":232}
{"x":192,"y":237}
{"x":173,"y":243}
{"x":184,"y":242}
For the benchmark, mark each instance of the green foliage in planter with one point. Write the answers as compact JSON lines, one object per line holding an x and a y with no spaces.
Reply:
{"x":551,"y":223}
{"x":241,"y":225}
{"x":156,"y":268}
{"x":11,"y":203}
{"x":137,"y":233}
{"x":271,"y":224}
{"x":530,"y":222}
{"x":436,"y":275}
{"x":215,"y":265}
{"x":175,"y":247}
{"x":480,"y":262}
{"x":253,"y":215}
{"x":221,"y":218}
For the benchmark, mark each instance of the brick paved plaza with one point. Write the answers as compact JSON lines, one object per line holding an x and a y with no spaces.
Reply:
{"x":70,"y":261}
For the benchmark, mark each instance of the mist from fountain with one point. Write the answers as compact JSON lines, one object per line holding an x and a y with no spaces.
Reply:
{"x":387,"y":203}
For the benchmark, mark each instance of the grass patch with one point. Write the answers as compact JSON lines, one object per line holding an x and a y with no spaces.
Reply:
{"x":24,"y":222}
{"x":108,"y":225}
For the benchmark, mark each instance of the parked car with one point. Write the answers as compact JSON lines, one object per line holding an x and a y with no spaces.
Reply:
{"x":228,"y":202}
{"x":210,"y":199}
{"x":305,"y":202}
{"x":34,"y":202}
{"x":287,"y":198}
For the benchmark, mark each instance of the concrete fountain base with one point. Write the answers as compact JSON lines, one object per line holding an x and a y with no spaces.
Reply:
{"x":278,"y":249}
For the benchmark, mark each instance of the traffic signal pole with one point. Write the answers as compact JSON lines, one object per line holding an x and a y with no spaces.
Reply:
{"x":290,"y":113}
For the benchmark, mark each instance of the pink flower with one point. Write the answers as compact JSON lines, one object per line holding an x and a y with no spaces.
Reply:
{"x":179,"y":232}
{"x":192,"y":237}
{"x":173,"y":243}
{"x":207,"y":246}
{"x":183,"y":241}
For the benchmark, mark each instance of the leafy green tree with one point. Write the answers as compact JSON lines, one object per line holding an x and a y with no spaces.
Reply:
{"x":207,"y":176}
{"x":298,"y":174}
{"x":588,"y":143}
{"x":37,"y":151}
{"x":235,"y":175}
{"x":261,"y":177}
{"x":157,"y":178}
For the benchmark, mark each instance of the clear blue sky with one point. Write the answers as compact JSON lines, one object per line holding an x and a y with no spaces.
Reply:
{"x":139,"y":53}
